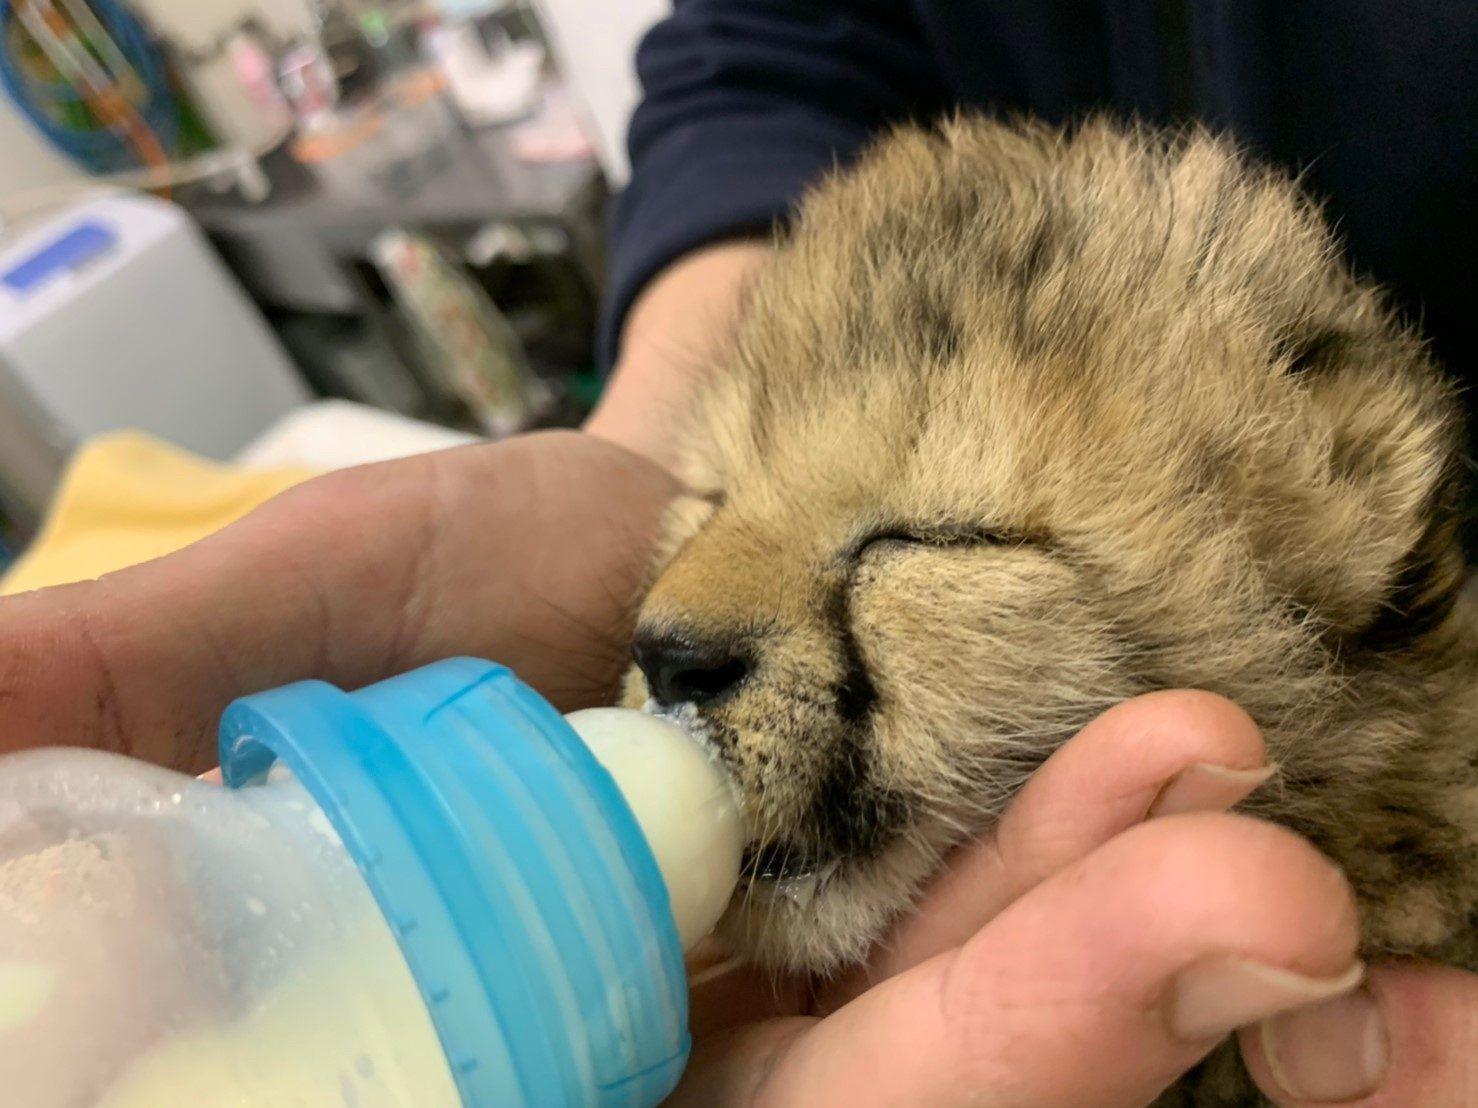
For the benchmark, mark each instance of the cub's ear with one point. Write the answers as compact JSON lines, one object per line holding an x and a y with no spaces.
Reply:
{"x":1386,"y":564}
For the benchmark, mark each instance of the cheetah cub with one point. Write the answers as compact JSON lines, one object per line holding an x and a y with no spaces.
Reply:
{"x":1016,"y":424}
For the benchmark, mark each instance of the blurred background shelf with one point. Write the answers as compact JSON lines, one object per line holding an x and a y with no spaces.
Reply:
{"x":407,"y":198}
{"x":482,"y":182}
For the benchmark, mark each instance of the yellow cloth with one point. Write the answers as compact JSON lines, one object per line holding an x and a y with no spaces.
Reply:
{"x":127,"y":498}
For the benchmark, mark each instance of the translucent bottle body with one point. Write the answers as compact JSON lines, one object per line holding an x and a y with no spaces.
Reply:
{"x":167,"y":941}
{"x":428,"y":892}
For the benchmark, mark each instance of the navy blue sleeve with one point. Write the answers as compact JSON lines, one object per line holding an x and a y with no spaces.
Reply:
{"x":745,"y":103}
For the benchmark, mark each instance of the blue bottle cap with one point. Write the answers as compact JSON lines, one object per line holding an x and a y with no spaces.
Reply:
{"x":526,"y":901}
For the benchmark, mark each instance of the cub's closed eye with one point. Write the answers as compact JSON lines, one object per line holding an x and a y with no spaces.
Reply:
{"x":942,"y":536}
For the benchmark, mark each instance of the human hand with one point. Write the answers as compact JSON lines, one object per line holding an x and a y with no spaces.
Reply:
{"x":529,"y":552}
{"x":1102,"y":940}
{"x":1408,"y":1037}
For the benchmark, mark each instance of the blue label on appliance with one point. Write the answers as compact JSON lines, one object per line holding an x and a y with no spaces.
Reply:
{"x":71,"y":251}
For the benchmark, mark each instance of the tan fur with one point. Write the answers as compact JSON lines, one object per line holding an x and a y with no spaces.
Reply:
{"x":1018,"y":424}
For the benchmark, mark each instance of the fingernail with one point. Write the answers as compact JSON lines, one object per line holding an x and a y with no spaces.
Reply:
{"x":1218,"y":995}
{"x":1205,"y":787}
{"x":1331,"y":1052}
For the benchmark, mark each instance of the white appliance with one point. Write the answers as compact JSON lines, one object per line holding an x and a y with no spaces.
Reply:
{"x":117,"y":314}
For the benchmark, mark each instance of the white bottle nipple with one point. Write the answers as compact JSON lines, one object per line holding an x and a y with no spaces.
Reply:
{"x":684,"y":803}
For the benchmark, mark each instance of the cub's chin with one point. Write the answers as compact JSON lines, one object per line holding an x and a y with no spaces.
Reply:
{"x":828,"y":918}
{"x":822,"y":915}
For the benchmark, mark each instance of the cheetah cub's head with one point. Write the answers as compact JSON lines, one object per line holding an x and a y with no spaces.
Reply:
{"x":1016,"y":425}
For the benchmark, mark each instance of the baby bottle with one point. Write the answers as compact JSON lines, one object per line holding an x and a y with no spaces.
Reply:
{"x":435,"y":891}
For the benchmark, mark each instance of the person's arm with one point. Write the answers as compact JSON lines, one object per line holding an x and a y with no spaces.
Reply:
{"x":672,"y":335}
{"x":746,"y":103}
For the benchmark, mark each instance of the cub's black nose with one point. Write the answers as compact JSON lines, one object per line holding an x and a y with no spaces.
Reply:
{"x":681,"y":669}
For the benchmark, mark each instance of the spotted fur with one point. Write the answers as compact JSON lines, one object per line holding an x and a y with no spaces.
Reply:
{"x":1018,"y":423}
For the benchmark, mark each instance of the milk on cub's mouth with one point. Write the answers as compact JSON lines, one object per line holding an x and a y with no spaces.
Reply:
{"x":685,"y":715}
{"x":789,"y":874}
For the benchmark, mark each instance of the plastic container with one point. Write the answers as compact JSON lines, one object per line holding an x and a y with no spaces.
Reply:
{"x":428,"y":892}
